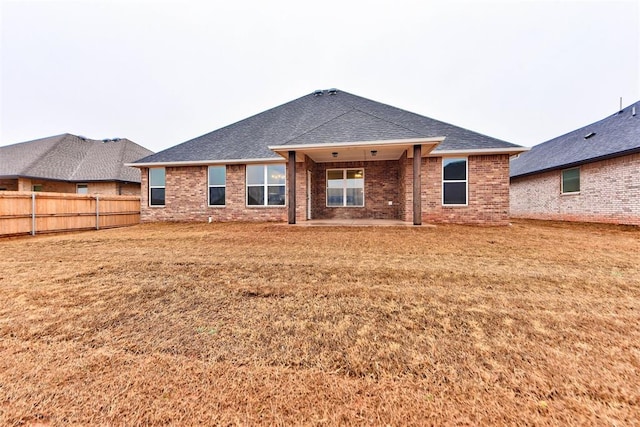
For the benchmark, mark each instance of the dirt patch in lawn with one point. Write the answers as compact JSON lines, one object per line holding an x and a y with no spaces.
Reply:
{"x":536,"y":323}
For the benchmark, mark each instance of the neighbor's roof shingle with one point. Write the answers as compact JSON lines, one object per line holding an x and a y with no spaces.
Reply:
{"x":342,"y":117}
{"x":616,"y":135}
{"x":68,"y":157}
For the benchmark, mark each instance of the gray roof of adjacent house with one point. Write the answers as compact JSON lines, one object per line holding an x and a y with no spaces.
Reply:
{"x":613,"y":136}
{"x":330,"y":117}
{"x":73,"y":158}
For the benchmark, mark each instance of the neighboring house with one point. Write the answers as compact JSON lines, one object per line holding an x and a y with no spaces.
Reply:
{"x":590,"y":174}
{"x":71,"y":164}
{"x":331,"y":154}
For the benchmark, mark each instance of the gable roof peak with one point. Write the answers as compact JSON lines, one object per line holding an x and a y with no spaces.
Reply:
{"x":327,"y":115}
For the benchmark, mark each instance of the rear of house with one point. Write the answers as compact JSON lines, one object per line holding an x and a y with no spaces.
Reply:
{"x":591,"y":174}
{"x":331,"y":154}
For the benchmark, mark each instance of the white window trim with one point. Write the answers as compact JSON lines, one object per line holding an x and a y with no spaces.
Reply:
{"x":466,"y":182}
{"x":216,"y":186}
{"x":569,"y":193}
{"x":344,"y":188}
{"x":78,"y":186}
{"x":265,"y":186}
{"x":157,"y":186}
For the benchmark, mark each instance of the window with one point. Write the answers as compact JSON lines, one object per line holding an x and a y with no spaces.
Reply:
{"x":82,"y":188}
{"x":571,"y":181}
{"x":266,"y":185}
{"x":454,"y":181}
{"x":345,"y":187}
{"x":37,"y":187}
{"x":156,"y":186}
{"x":217,"y":185}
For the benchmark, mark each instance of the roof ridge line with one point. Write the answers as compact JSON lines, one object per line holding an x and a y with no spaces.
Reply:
{"x":347,"y":112}
{"x":388,"y":121}
{"x":584,"y":127}
{"x":78,"y":165}
{"x":123,"y":151}
{"x":320,"y":125}
{"x":52,"y":148}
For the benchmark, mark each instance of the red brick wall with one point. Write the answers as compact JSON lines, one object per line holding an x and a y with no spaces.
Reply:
{"x":609,"y":192}
{"x":186,"y":198}
{"x":380,"y":187}
{"x":488,"y":197}
{"x":303,"y":169}
{"x":9,"y":184}
{"x":102,"y":188}
{"x":488,"y":191}
{"x":129,"y":189}
{"x":26,"y":184}
{"x":405,"y":188}
{"x":112,"y":187}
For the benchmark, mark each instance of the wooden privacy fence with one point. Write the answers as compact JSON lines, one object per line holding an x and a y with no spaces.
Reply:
{"x":38,"y":212}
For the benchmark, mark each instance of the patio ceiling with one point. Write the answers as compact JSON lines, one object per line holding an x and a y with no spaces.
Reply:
{"x":358,"y":151}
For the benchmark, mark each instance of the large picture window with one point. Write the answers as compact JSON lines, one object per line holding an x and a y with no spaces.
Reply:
{"x":454,"y":181}
{"x":345,"y":187}
{"x":571,"y":181}
{"x":266,"y":185}
{"x":156,"y":186}
{"x":217,"y":185}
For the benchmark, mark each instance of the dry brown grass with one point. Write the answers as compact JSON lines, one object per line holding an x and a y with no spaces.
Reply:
{"x":538,"y":323}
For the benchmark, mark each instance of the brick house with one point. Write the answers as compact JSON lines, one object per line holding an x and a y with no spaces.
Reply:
{"x":71,"y":164}
{"x":331,"y":154}
{"x":591,"y":174}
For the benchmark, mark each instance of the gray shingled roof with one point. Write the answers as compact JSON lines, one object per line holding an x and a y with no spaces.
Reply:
{"x":68,"y":157}
{"x":311,"y":119}
{"x":613,"y":136}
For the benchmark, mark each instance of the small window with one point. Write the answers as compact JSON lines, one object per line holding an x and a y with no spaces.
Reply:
{"x":454,"y":182}
{"x":571,"y":181}
{"x":82,"y":189}
{"x":37,"y":187}
{"x":217,"y":185}
{"x":156,"y":186}
{"x":266,"y":185}
{"x":345,"y":187}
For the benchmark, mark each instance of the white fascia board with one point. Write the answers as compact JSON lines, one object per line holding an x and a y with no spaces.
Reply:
{"x":480,"y":151}
{"x":204,"y":163}
{"x":379,"y":143}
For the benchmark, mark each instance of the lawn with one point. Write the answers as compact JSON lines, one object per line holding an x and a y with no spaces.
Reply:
{"x":537,"y":323}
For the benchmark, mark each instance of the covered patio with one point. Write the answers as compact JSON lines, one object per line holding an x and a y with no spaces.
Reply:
{"x":363,"y":182}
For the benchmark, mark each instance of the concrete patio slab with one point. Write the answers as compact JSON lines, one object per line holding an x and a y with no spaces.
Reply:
{"x":357,"y":223}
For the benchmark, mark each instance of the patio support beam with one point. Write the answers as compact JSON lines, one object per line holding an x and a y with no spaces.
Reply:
{"x":291,"y":182}
{"x":417,"y":187}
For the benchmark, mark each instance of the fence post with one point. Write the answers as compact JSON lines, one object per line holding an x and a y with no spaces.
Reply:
{"x":97,"y":212}
{"x":33,"y":214}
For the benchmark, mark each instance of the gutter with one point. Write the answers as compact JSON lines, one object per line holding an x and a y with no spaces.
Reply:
{"x":480,"y":151}
{"x":205,"y":162}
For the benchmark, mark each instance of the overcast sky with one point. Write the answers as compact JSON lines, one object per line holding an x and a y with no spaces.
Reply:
{"x":163,"y":72}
